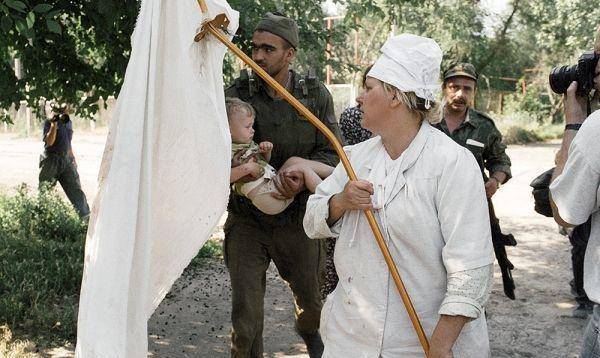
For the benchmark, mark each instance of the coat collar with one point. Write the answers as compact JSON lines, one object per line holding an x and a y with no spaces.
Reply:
{"x":408,"y":158}
{"x":472,"y":118}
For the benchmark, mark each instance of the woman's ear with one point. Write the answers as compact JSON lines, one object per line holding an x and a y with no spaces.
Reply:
{"x":395,"y":100}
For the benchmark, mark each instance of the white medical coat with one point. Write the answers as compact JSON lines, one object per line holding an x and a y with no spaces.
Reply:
{"x":435,"y":222}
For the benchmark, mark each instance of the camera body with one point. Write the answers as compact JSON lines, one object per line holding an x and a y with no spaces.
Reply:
{"x":583,"y":72}
{"x":63,"y":118}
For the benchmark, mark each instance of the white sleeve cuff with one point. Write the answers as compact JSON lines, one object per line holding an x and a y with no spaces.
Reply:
{"x":467,"y":292}
{"x":460,"y":306}
{"x":315,"y":224}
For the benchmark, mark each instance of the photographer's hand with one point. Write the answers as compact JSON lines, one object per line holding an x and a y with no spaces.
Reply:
{"x":575,"y":106}
{"x":575,"y":113}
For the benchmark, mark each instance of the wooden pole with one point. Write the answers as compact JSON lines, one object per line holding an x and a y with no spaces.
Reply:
{"x":346,"y":163}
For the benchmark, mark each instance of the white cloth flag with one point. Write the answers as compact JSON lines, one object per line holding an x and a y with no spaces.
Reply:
{"x":164,"y":178}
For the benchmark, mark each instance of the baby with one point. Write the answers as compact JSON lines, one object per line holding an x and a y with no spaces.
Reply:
{"x":251,"y":160}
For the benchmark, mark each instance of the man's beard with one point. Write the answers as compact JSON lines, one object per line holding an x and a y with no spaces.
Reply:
{"x":272,"y":70}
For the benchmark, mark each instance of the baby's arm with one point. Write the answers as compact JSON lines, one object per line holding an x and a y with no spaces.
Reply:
{"x":265,"y":149}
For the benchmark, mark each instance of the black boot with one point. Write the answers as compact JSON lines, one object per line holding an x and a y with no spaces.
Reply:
{"x":314,"y":344}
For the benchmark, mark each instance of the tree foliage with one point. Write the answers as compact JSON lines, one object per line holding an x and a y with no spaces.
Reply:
{"x":74,"y":51}
{"x":77,"y":51}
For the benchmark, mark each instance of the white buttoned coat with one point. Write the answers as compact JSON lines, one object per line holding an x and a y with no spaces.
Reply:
{"x":434,"y":218}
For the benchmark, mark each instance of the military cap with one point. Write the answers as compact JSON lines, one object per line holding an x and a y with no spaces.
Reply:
{"x":461,"y":69}
{"x":280,"y":25}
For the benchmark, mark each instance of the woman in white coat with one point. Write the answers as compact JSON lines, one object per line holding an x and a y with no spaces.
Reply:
{"x":430,"y":203}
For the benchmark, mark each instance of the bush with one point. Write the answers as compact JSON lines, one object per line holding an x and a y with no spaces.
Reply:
{"x":211,"y":249}
{"x":41,"y":262}
{"x":522,"y":128}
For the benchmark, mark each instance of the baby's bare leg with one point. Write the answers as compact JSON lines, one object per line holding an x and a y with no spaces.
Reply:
{"x":311,"y":178}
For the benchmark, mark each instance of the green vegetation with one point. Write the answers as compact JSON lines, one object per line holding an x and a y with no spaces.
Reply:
{"x":78,"y":51}
{"x":41,"y":263}
{"x":520,"y":128}
{"x":14,"y":348}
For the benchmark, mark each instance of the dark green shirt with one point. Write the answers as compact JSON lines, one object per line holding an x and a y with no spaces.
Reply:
{"x":479,"y":135}
{"x":292,"y":135}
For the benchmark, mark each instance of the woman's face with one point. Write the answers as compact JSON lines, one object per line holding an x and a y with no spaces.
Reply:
{"x":375,"y":104}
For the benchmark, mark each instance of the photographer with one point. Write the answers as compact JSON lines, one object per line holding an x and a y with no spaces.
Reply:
{"x":58,"y":161}
{"x":575,"y":188}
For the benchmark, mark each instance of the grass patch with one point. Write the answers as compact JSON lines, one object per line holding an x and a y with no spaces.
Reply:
{"x":10,"y":348}
{"x":41,"y":262}
{"x":520,"y":128}
{"x":212,"y":249}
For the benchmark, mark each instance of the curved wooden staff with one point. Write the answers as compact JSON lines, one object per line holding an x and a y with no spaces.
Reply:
{"x":217,"y":27}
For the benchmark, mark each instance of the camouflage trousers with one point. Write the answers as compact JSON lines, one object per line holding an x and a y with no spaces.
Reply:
{"x":250,"y":245}
{"x":60,"y":167}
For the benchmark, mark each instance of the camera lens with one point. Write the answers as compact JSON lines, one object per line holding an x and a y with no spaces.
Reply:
{"x":561,"y":78}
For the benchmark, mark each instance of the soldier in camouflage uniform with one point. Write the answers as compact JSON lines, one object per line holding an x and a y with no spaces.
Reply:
{"x":477,"y":132}
{"x":252,"y":238}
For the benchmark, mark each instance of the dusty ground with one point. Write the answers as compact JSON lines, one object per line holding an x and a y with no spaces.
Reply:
{"x":193,"y":321}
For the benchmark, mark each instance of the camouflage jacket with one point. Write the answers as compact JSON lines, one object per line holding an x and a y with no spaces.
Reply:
{"x":479,"y":134}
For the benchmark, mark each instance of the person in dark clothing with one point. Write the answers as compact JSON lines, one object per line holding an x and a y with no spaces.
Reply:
{"x":57,"y":163}
{"x":252,"y":238}
{"x":477,"y":132}
{"x":579,"y":239}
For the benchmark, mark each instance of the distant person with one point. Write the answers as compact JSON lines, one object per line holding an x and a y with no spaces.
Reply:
{"x":350,"y":121}
{"x":477,"y":132}
{"x":579,"y":237}
{"x":57,"y":163}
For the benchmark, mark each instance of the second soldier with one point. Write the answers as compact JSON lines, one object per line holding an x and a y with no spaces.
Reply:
{"x":477,"y":132}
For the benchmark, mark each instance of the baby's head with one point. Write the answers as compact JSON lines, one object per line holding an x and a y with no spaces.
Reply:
{"x":240,"y":115}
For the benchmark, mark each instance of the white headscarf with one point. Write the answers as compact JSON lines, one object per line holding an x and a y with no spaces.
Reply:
{"x":410,"y":63}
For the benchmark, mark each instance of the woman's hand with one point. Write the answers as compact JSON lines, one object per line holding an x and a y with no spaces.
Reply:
{"x":356,"y":195}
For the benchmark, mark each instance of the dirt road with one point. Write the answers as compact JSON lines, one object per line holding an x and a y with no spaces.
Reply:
{"x":193,"y":321}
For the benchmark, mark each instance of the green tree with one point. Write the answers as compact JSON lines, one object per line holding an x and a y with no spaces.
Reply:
{"x":552,"y":33}
{"x":69,"y":50}
{"x":78,"y":51}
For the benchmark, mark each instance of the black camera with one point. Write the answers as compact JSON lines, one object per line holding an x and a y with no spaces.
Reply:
{"x":583,"y":72}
